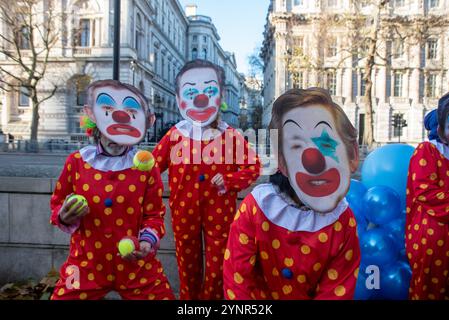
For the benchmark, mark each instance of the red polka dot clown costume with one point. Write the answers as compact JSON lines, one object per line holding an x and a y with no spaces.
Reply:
{"x":295,"y":237}
{"x":121,"y":201}
{"x":427,"y":222}
{"x":208,"y":163}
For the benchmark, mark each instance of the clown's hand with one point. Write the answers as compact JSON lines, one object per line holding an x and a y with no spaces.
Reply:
{"x":146,"y":248}
{"x":219,"y":183}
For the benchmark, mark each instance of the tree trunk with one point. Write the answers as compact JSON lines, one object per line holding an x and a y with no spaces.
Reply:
{"x":34,"y":121}
{"x":368,"y":133}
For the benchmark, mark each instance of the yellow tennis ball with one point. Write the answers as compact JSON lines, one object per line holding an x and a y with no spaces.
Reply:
{"x":79,"y":198}
{"x":128,"y":245}
{"x":144,"y":160}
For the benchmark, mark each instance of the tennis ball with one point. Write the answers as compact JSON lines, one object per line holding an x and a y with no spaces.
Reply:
{"x":128,"y":245}
{"x":144,"y":160}
{"x":79,"y":198}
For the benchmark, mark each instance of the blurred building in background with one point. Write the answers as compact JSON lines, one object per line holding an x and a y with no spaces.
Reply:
{"x":410,"y":68}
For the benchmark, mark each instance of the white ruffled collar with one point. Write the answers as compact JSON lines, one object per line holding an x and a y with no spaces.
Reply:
{"x":187,"y":129}
{"x":104,"y":163}
{"x":284,"y":214}
{"x":444,"y":149}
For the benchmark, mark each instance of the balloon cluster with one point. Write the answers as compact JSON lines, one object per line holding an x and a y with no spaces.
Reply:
{"x":378,"y":203}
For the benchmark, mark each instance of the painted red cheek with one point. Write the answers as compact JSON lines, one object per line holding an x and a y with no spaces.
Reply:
{"x":218,"y":101}
{"x":183,"y":105}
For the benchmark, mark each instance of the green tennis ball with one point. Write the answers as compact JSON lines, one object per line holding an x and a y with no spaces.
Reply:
{"x":128,"y":245}
{"x":79,"y":198}
{"x":143,"y":160}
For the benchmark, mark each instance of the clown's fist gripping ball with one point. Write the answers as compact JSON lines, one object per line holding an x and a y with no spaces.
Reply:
{"x":144,"y":160}
{"x":79,"y":199}
{"x":128,"y":245}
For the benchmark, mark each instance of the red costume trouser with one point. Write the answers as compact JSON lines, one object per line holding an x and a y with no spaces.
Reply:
{"x":428,"y":253}
{"x":92,"y":280}
{"x":207,"y":220}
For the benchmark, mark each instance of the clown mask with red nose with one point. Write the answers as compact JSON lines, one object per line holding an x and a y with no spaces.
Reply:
{"x":119,"y":112}
{"x":199,"y":96}
{"x":316,"y":159}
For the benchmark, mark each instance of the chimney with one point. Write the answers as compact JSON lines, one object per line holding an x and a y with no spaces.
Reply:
{"x":191,"y":10}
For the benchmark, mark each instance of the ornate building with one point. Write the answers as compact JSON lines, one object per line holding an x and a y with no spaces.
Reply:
{"x":155,"y":37}
{"x":409,"y":75}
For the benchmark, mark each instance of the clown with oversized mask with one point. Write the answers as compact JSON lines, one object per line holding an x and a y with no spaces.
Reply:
{"x":208,"y":163}
{"x":427,"y":219}
{"x":300,"y":236}
{"x":119,"y":201}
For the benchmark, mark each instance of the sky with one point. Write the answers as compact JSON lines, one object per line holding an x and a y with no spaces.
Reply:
{"x":240,"y":24}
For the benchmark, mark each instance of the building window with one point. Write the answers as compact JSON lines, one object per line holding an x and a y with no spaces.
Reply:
{"x":362,"y":84}
{"x":195,"y":38}
{"x":432,"y":49}
{"x":163,"y":67}
{"x":433,"y":4}
{"x":204,"y":54}
{"x":23,"y":39}
{"x":332,"y":3}
{"x":24,"y":97}
{"x":332,"y":83}
{"x":298,"y":80}
{"x":84,"y":33}
{"x":399,"y":3}
{"x":81,"y":84}
{"x":139,"y":36}
{"x":431,"y":91}
{"x":194,"y":53}
{"x":398,"y":48}
{"x":397,"y":82}
{"x":299,"y":2}
{"x":331,"y":47}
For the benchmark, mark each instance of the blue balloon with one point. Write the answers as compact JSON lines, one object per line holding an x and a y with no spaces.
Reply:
{"x":381,"y":205}
{"x":396,"y":229}
{"x":388,"y":166}
{"x":377,"y":247}
{"x":395,"y":281}
{"x":354,"y":197}
{"x":361,"y":291}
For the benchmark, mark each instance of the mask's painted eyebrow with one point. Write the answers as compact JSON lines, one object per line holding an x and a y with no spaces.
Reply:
{"x":105,"y":99}
{"x":323,"y":122}
{"x":130,"y":102}
{"x":291,"y":121}
{"x":189,"y":83}
{"x":210,"y":81}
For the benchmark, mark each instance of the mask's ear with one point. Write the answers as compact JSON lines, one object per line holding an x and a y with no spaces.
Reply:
{"x":88,"y":111}
{"x":150,"y":120}
{"x":354,"y":162}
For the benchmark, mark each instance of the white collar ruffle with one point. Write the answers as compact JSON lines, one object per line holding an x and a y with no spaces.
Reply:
{"x":444,"y":149}
{"x":284,"y":214}
{"x":187,"y":129}
{"x":104,"y":163}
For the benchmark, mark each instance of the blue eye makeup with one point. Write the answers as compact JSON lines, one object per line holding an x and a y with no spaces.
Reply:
{"x":326,"y":145}
{"x":190,"y":93}
{"x":130,"y":102}
{"x":104,"y":99}
{"x":210,"y":91}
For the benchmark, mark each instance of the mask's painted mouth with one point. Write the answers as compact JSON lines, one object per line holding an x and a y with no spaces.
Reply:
{"x":319,"y":186}
{"x":201,"y":115}
{"x":123,"y":129}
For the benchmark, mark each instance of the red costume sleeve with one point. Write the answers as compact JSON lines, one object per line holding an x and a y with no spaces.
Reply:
{"x":162,"y":151}
{"x":426,"y":185}
{"x":153,"y":206}
{"x":240,"y":254}
{"x":340,"y":277}
{"x":249,"y":165}
{"x":64,"y":187}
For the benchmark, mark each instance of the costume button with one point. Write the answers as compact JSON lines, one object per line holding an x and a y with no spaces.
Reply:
{"x":202,"y":177}
{"x":108,"y":202}
{"x":287,"y":273}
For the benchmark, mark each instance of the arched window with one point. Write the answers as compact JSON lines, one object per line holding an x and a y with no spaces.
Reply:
{"x":81,"y":83}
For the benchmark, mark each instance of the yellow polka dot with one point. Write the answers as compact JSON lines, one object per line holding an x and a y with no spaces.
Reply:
{"x":352,"y":222}
{"x":264,"y":255}
{"x":275,"y":295}
{"x":288,"y":262}
{"x":85,"y":187}
{"x":83,"y":296}
{"x":120,"y":199}
{"x":108,"y":188}
{"x":132,"y":188}
{"x":90,"y":255}
{"x":121,"y":177}
{"x":96,"y":199}
{"x":91,"y":277}
{"x":231,"y":294}
{"x":132,"y":276}
{"x":422,"y":162}
{"x":429,"y":252}
{"x":238,"y":278}
{"x":275,"y":244}
{"x":287,"y":289}
{"x":332,"y":274}
{"x":61,"y":292}
{"x":265,"y":226}
{"x":316,"y":266}
{"x":301,"y":278}
{"x":243,"y":238}
{"x":143,"y":280}
{"x":119,"y":222}
{"x":97,"y":176}
{"x":337,"y":226}
{"x":322,"y":237}
{"x":110,"y":277}
{"x":107,"y":211}
{"x":305,"y":249}
{"x":130,"y":210}
{"x":340,"y":291}
{"x":98,"y":245}
{"x":109,"y":257}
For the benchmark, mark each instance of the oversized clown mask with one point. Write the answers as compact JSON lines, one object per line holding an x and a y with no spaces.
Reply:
{"x":315,"y":156}
{"x":199,"y":96}
{"x":119,"y":115}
